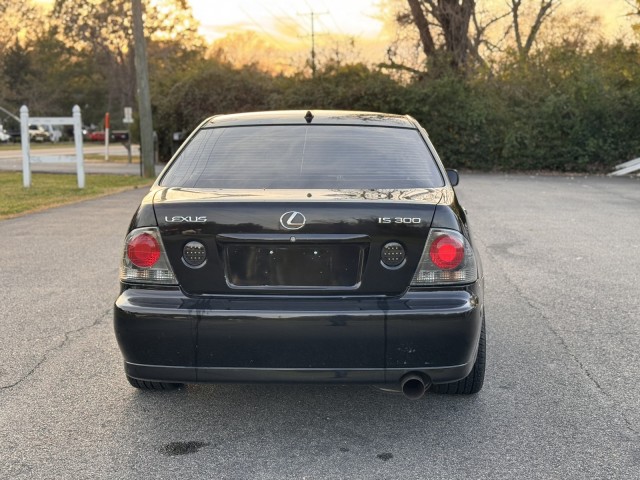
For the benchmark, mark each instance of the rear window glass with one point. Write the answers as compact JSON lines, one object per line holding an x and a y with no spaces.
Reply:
{"x":305,"y":156}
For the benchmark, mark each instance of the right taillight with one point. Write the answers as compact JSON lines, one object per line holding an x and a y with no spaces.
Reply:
{"x":144,"y":259}
{"x":447,"y":259}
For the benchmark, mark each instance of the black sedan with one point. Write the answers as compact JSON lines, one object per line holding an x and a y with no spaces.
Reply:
{"x":295,"y":246}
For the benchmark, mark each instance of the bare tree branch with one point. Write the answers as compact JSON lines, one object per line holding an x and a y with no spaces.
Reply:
{"x":400,"y":67}
{"x":545,"y":9}
{"x":420,"y":20}
{"x":456,"y":32}
{"x":450,"y":19}
{"x":480,"y":38}
{"x":515,"y":12}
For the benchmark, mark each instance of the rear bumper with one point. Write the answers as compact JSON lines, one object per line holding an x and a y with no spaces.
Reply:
{"x":169,"y":373}
{"x":167,"y":336}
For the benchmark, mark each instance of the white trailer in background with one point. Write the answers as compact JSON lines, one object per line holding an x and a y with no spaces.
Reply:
{"x":27,"y":159}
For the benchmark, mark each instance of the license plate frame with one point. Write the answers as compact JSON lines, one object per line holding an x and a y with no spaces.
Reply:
{"x":288,"y":266}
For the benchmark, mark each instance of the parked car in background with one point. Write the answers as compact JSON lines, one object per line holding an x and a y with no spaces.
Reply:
{"x":114,"y":136}
{"x":4,"y":136}
{"x":97,"y":136}
{"x":119,"y":136}
{"x":38,"y":134}
{"x":55,"y":134}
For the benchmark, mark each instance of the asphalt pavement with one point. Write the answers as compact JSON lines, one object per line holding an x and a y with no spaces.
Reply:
{"x":561,"y":398}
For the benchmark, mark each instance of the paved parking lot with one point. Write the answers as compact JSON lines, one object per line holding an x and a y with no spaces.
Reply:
{"x":561,"y":399}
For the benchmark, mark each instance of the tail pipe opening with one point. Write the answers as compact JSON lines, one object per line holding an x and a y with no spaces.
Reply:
{"x":413,"y":385}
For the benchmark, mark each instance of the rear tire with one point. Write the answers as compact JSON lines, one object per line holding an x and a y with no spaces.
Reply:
{"x":147,"y":385}
{"x":473,"y":382}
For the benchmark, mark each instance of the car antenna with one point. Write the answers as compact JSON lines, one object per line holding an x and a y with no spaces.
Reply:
{"x":308,"y":117}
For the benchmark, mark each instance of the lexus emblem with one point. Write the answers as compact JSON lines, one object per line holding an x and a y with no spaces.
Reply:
{"x":292,"y":220}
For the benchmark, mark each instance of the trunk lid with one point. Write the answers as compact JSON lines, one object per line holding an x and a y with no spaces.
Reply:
{"x":306,"y":242}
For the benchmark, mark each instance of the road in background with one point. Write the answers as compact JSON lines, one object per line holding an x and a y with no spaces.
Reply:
{"x":11,"y":160}
{"x":561,"y":399}
{"x":14,"y":154}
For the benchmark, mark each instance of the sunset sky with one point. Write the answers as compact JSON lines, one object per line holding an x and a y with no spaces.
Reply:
{"x":349,"y":17}
{"x":288,"y":20}
{"x":276,"y":33}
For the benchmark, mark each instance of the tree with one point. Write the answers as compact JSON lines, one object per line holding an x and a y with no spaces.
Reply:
{"x":21,"y":21}
{"x":208,"y":87}
{"x":447,"y":19}
{"x":252,"y":48}
{"x":525,"y":41}
{"x":455,"y":34}
{"x":635,"y":12}
{"x":350,"y":87}
{"x":104,"y":29}
{"x":49,"y":77}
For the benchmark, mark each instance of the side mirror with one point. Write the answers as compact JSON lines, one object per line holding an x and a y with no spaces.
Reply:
{"x":454,"y":178}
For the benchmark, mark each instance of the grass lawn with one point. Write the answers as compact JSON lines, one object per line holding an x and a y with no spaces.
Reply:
{"x":50,"y":190}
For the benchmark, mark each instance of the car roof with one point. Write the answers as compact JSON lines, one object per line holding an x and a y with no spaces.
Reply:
{"x":299,"y":117}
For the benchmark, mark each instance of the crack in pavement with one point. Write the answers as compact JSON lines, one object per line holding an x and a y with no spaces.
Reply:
{"x":60,"y":346}
{"x":563,"y":343}
{"x":572,"y":355}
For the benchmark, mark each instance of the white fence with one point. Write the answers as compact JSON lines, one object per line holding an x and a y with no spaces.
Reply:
{"x":27,"y":159}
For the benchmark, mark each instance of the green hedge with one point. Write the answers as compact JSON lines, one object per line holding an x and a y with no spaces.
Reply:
{"x":562,"y":110}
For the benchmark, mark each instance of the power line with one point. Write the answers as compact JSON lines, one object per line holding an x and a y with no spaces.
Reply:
{"x":10,"y":114}
{"x":293,"y":19}
{"x":333,"y":19}
{"x":253,"y":20}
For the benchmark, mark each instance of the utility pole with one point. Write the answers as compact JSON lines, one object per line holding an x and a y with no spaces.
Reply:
{"x":144,"y":96}
{"x":312,"y":15}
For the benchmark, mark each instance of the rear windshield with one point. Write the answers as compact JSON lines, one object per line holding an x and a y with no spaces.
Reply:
{"x":305,"y":156}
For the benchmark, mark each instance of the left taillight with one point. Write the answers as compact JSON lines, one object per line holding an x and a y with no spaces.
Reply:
{"x":447,"y":259}
{"x":145,"y":259}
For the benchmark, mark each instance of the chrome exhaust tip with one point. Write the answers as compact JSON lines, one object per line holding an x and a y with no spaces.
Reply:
{"x":413,"y":385}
